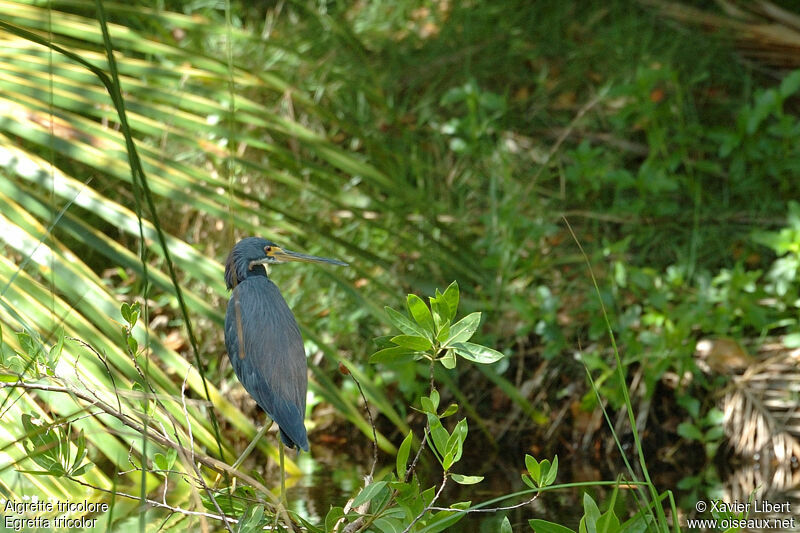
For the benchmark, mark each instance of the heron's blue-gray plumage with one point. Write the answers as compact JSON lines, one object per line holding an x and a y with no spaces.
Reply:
{"x":270,"y":362}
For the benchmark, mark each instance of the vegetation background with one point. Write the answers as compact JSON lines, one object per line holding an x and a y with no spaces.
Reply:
{"x":423,"y":142}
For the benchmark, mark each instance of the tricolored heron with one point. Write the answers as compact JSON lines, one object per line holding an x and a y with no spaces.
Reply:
{"x":263,"y":340}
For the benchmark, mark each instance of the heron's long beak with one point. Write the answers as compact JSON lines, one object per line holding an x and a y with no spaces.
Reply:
{"x":277,"y":255}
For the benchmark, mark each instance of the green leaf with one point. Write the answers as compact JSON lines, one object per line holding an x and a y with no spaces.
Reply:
{"x":591,"y":513}
{"x":543,"y":526}
{"x":430,"y":404}
{"x":466,"y":480}
{"x":438,"y":434}
{"x":450,"y":296}
{"x":435,"y":399}
{"x":29,"y":346}
{"x":133,"y":344}
{"x":427,"y":405}
{"x":689,"y":431}
{"x":421,"y":314}
{"x":160,"y":461}
{"x":792,"y":340}
{"x":402,"y":455}
{"x":439,"y":310}
{"x":477,"y":353}
{"x":251,"y":520}
{"x":172,"y":454}
{"x":451,"y":410}
{"x":444,"y":332}
{"x":78,"y":472}
{"x":790,"y":84}
{"x":448,"y":360}
{"x":413,"y":342}
{"x":81,"y":452}
{"x":55,"y":351}
{"x":403,"y":323}
{"x":125,"y":311}
{"x":333,"y":516}
{"x":608,"y":522}
{"x":505,"y":527}
{"x":464,"y":329}
{"x":448,"y":459}
{"x":552,"y":472}
{"x":397,"y":355}
{"x":533,"y":468}
{"x":369,"y":492}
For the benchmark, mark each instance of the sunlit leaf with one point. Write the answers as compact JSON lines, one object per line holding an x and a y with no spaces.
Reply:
{"x":477,"y":353}
{"x":464,"y":329}
{"x":466,"y":480}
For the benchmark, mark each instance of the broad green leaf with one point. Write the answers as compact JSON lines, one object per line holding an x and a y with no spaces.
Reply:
{"x":466,"y":480}
{"x":444,"y":332}
{"x":421,"y":314}
{"x":251,"y":520}
{"x":505,"y":527}
{"x":792,"y":340}
{"x":533,"y":468}
{"x":451,"y":410}
{"x":402,"y":455}
{"x":172,"y":454}
{"x":78,"y":472}
{"x":333,"y":516}
{"x":552,"y":472}
{"x":427,"y":405}
{"x":448,"y":360}
{"x":403,"y":323}
{"x":369,"y":492}
{"x":435,"y":399}
{"x":413,"y":342}
{"x":439,"y":310}
{"x":389,"y":525}
{"x":689,"y":431}
{"x":396,"y":355}
{"x":449,"y":459}
{"x":477,"y":353}
{"x":160,"y":461}
{"x":608,"y":522}
{"x":591,"y":513}
{"x":55,"y":351}
{"x":464,"y":329}
{"x":438,"y":434}
{"x":450,"y":296}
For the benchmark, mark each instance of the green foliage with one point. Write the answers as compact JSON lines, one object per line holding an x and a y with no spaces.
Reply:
{"x":329,"y":133}
{"x":50,"y":447}
{"x":430,"y":334}
{"x":540,"y":474}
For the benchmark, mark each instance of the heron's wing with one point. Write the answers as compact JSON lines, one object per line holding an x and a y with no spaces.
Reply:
{"x":270,"y":361}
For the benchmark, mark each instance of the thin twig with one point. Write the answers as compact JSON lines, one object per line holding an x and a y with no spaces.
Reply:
{"x":430,"y":505}
{"x":153,"y":502}
{"x":372,"y":424}
{"x":210,"y":462}
{"x":563,"y":137}
{"x":105,"y":364}
{"x":491,"y":510}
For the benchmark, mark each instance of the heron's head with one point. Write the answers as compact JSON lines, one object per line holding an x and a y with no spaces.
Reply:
{"x":251,"y":255}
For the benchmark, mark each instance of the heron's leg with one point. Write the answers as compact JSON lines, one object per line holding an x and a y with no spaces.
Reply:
{"x":283,"y":474}
{"x":247,"y":451}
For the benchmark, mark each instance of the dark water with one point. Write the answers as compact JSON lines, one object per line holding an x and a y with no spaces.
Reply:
{"x":331,"y":481}
{"x":334,"y":478}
